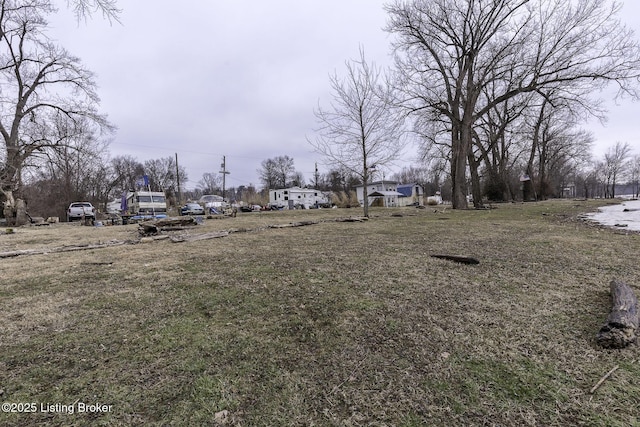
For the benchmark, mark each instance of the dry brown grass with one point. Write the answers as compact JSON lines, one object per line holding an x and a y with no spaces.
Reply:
{"x":328,"y":324}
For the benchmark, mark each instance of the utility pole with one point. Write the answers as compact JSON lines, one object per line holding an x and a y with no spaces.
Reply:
{"x":178,"y":179}
{"x":224,"y":173}
{"x":317,"y":178}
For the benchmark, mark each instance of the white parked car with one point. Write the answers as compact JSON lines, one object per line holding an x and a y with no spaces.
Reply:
{"x":81,"y":210}
{"x":213,"y":201}
{"x":191,"y":209}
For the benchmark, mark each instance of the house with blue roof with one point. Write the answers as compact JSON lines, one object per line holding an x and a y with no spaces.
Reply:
{"x":412,"y":194}
{"x":391,"y":194}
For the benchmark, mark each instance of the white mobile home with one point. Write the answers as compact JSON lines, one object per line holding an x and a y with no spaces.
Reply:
{"x":297,"y":198}
{"x":144,"y":203}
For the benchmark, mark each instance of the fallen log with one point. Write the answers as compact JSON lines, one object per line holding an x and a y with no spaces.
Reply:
{"x":457,"y":258}
{"x":165,"y":224}
{"x":352,"y":219}
{"x":196,"y":237}
{"x":11,"y":254}
{"x":294,"y":224}
{"x":620,"y":329}
{"x":60,"y":249}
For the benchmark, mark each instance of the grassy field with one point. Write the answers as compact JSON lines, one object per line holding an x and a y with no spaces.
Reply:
{"x":336,"y":323}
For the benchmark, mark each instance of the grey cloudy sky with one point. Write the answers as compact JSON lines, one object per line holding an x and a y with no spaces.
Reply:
{"x":213,"y":78}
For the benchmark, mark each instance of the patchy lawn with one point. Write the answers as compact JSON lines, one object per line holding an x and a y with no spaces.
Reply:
{"x":335,"y":323}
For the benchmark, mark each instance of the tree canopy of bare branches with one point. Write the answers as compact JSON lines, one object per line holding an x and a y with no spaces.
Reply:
{"x":277,"y":172}
{"x":616,"y":163}
{"x":457,"y":60}
{"x":361,"y":129}
{"x":43,"y":85}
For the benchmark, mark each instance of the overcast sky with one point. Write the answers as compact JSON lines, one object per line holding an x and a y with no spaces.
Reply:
{"x":212,"y":78}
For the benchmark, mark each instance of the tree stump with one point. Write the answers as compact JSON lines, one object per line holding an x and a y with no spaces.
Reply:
{"x":622,"y":323}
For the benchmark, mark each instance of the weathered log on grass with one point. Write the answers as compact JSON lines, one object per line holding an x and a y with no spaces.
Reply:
{"x":294,"y":224}
{"x":622,"y":323}
{"x":60,"y":249}
{"x":352,"y":219}
{"x":458,"y":258}
{"x":156,"y":225}
{"x":197,"y":237}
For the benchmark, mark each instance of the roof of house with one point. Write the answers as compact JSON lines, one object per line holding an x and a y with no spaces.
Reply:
{"x":297,"y":189}
{"x":386,"y":181}
{"x":381,"y":193}
{"x":406,"y":189}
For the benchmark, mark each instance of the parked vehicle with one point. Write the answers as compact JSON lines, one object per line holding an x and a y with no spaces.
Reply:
{"x":114,"y":206}
{"x":192,"y":209}
{"x":213,"y":201}
{"x":81,"y":210}
{"x":144,"y":204}
{"x":251,"y":208}
{"x":297,"y":198}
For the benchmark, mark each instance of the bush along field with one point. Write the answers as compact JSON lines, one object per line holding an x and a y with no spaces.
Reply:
{"x":330,"y":323}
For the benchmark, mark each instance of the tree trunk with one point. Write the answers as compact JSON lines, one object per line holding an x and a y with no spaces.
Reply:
{"x":622,"y":323}
{"x":21,"y":213}
{"x":460,"y":145}
{"x":476,"y":190}
{"x":15,"y":210}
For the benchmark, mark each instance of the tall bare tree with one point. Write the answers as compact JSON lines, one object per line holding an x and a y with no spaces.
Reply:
{"x":448,"y":52}
{"x":361,"y":129}
{"x":41,"y":82}
{"x":77,"y":169}
{"x":616,"y":164}
{"x":635,"y":175}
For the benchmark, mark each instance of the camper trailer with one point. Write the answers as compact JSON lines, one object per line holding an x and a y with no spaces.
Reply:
{"x":144,"y":204}
{"x":297,"y":198}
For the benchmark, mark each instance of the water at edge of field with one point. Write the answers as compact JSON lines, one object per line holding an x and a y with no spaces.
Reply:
{"x":625,"y":215}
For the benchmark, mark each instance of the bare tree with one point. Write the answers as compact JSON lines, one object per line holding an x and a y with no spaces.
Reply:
{"x":276,"y":173}
{"x":41,"y":83}
{"x":616,"y":164}
{"x":76,"y":170}
{"x":362,"y":128}
{"x":163,"y":175}
{"x":296,"y":179}
{"x":635,"y":175}
{"x":126,"y":170}
{"x":448,"y":52}
{"x":210,"y":183}
{"x":84,"y":9}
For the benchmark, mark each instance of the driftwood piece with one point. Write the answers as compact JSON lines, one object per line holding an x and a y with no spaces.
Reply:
{"x":165,"y":224}
{"x":62,"y":249}
{"x":10,"y":254}
{"x":149,"y":230}
{"x":620,"y":329}
{"x":294,"y":224}
{"x":458,"y":258}
{"x":352,"y":219}
{"x":196,"y":237}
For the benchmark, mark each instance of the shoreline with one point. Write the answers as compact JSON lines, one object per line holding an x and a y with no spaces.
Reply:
{"x":623,"y":216}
